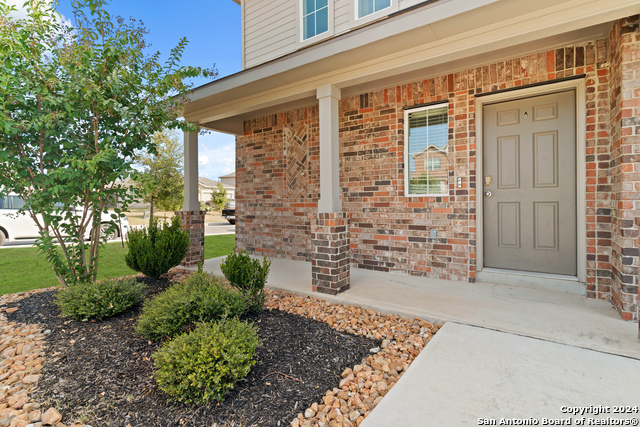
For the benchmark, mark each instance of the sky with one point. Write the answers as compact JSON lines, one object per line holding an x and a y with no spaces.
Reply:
{"x":212,"y":28}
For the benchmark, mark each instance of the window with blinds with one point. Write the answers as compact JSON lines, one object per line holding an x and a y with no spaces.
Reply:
{"x":427,"y":151}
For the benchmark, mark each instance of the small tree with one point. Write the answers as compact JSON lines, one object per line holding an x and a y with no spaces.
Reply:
{"x":161,"y":182}
{"x":219,"y":196}
{"x":76,"y":105}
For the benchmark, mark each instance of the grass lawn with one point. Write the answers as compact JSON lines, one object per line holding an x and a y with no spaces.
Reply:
{"x":24,"y":269}
{"x":220,"y":245}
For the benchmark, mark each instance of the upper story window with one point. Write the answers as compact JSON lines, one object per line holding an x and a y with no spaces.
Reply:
{"x":367,"y":7}
{"x":315,"y":18}
{"x":427,"y":151}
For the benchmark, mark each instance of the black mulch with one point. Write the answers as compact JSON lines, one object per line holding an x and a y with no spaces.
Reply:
{"x":101,"y":371}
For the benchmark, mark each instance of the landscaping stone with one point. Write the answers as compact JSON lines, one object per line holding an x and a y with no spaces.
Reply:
{"x":51,"y":417}
{"x":355,"y":394}
{"x":363,"y":386}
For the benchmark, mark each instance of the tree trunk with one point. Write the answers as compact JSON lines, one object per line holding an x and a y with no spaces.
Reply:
{"x":151,"y":209}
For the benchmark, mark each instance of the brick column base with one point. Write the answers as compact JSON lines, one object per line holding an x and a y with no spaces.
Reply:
{"x":330,"y":253}
{"x":193,"y":221}
{"x":638,"y":281}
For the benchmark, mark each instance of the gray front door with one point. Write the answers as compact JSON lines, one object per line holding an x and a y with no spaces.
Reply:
{"x":529,"y":184}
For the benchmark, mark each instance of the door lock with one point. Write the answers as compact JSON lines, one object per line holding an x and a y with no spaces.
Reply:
{"x":487,"y":193}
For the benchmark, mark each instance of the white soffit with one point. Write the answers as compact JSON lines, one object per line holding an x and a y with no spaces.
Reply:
{"x":366,"y":58}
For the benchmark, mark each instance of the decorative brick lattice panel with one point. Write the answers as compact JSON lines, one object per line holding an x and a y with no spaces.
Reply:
{"x":391,"y":232}
{"x":296,"y":156}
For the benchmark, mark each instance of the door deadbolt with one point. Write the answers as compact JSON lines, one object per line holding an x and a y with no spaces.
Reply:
{"x":487,"y":193}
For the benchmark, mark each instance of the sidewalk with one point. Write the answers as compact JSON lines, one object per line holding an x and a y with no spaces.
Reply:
{"x":506,"y":355}
{"x":551,"y":316}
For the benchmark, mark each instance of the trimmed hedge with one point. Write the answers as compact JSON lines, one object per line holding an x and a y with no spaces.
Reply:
{"x":99,"y":299}
{"x":199,"y":298}
{"x":203,"y":365}
{"x":155,"y":250}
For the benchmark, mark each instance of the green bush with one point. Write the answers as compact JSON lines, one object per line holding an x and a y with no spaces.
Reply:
{"x":155,"y":250}
{"x":204,"y":364}
{"x":248,"y":276}
{"x":199,"y":298}
{"x":99,"y":299}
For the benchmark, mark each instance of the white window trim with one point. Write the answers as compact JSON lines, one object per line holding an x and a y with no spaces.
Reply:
{"x":355,"y":21}
{"x":406,"y":150}
{"x":300,"y":40}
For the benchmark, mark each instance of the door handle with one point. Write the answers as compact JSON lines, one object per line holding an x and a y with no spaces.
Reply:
{"x":487,"y":193}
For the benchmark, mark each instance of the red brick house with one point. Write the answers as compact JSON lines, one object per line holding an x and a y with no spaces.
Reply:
{"x":347,"y":112}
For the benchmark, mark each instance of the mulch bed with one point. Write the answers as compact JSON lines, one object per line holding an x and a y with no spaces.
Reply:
{"x":101,"y":371}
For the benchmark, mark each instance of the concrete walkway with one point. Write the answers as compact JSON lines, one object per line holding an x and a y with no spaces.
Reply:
{"x":505,"y":351}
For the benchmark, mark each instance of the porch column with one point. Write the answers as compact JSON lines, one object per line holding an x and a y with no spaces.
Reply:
{"x":330,"y":267}
{"x":191,"y":216}
{"x":328,"y":97}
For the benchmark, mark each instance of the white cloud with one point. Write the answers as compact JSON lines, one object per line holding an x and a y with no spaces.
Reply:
{"x":21,"y":12}
{"x":203,"y":160}
{"x":219,"y":150}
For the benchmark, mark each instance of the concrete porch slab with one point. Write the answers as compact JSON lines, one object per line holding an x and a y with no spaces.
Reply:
{"x":472,"y":376}
{"x":547,"y":315}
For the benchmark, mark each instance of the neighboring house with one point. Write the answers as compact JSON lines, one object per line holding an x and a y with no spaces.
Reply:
{"x":229,"y":181}
{"x":540,"y":102}
{"x":206,"y":187}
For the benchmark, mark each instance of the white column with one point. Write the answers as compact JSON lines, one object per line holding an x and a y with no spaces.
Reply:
{"x":191,"y":202}
{"x":328,"y":96}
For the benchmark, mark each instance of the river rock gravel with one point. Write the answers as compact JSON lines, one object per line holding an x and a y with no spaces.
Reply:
{"x":322,"y":364}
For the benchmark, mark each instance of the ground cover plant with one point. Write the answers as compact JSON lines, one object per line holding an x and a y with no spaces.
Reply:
{"x":23,"y":269}
{"x":102,"y":371}
{"x":203,"y":365}
{"x":99,"y":299}
{"x":198,"y":298}
{"x":156,"y":249}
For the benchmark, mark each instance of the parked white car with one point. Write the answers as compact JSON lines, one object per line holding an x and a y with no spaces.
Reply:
{"x":14,"y":226}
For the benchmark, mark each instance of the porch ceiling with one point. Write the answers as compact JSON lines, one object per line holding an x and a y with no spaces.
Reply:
{"x":434,"y":40}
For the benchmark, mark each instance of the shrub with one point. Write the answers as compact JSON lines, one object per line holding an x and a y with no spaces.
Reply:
{"x":99,"y":299}
{"x":154,"y":251}
{"x":199,"y":298}
{"x":204,"y":364}
{"x":248,"y":276}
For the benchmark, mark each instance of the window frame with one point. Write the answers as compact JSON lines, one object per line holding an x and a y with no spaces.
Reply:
{"x":357,"y":21}
{"x":407,"y":165}
{"x":301,"y":41}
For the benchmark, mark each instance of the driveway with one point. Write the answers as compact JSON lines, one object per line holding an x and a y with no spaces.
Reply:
{"x":215,"y":228}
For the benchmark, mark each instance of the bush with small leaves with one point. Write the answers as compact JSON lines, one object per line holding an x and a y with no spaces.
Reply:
{"x":203,"y":365}
{"x":99,"y":299}
{"x":199,"y":298}
{"x":248,"y":276}
{"x":155,"y":250}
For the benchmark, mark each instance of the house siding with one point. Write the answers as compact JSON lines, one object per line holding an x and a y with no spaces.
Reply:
{"x":391,"y":232}
{"x":270,"y":30}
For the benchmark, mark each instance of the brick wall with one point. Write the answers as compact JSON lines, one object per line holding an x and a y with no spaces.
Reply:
{"x":625,"y":163}
{"x":277,"y":185}
{"x":390,"y":232}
